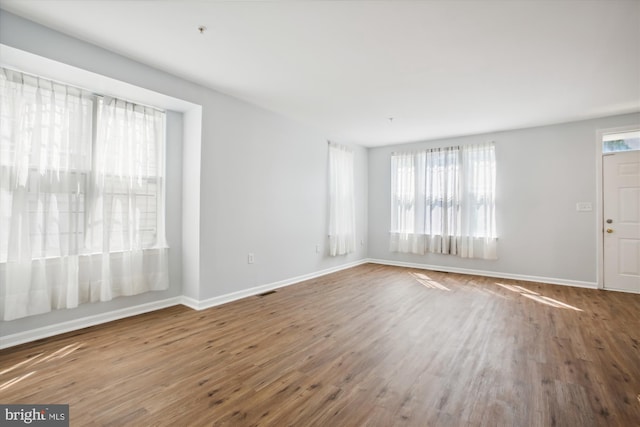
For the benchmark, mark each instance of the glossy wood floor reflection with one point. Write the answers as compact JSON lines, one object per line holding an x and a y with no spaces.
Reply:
{"x":372,"y":345}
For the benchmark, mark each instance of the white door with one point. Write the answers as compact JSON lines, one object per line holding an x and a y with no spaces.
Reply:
{"x":621,"y":196}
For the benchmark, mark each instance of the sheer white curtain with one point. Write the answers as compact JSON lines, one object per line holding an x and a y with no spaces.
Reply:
{"x":60,"y":209}
{"x":125,"y":221}
{"x":342,"y":217}
{"x":478,"y":235}
{"x":443,"y":201}
{"x":407,"y":207}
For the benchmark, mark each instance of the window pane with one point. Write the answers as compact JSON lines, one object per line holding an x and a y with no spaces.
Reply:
{"x":45,"y":158}
{"x":129,"y":169}
{"x":624,"y":141}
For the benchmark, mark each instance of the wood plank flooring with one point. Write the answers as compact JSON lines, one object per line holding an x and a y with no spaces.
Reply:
{"x":369,"y":346}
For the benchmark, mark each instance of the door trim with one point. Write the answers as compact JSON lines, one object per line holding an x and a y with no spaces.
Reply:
{"x":599,"y":198}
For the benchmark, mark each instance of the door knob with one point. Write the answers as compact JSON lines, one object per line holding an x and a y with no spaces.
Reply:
{"x":609,"y":230}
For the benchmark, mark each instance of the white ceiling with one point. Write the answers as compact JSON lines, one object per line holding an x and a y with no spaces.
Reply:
{"x":439,"y":68}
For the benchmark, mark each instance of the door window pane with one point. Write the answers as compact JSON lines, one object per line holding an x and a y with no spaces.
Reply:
{"x":623,"y":141}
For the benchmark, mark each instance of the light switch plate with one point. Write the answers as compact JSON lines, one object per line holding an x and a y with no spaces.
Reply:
{"x":584,"y":207}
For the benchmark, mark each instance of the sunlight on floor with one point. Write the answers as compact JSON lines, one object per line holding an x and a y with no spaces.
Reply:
{"x":552,"y":302}
{"x":62,"y":352}
{"x":36,"y":360}
{"x":17,"y":365}
{"x":493,"y":293}
{"x":537,"y":297}
{"x":517,"y":289}
{"x":428,"y":282}
{"x":15,"y":381}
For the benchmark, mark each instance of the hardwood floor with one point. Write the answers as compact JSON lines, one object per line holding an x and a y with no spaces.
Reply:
{"x":372,"y":345}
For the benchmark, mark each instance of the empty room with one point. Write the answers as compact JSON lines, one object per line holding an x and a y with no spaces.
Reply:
{"x":320,"y":213}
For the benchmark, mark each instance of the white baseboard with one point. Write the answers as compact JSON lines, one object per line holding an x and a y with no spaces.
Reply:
{"x":549,"y":280}
{"x":192,"y":303}
{"x":223,"y":299}
{"x":73,"y":325}
{"x":626,"y":291}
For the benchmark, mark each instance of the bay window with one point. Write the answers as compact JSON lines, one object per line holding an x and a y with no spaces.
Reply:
{"x":81,"y":196}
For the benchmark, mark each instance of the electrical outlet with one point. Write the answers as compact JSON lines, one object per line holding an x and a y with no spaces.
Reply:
{"x":250,"y":258}
{"x":317,"y":249}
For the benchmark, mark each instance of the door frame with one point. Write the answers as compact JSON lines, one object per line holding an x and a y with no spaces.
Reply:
{"x":600,"y":133}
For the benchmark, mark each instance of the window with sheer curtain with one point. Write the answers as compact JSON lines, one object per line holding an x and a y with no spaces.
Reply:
{"x":81,"y":197}
{"x":443,"y":201}
{"x":342,"y":216}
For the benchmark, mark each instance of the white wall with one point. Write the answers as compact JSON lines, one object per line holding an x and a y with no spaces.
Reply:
{"x":252,"y":181}
{"x":542,"y":173}
{"x":266,"y":195}
{"x":191,"y":203}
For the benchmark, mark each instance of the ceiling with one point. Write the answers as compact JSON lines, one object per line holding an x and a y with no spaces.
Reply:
{"x":439,"y":68}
